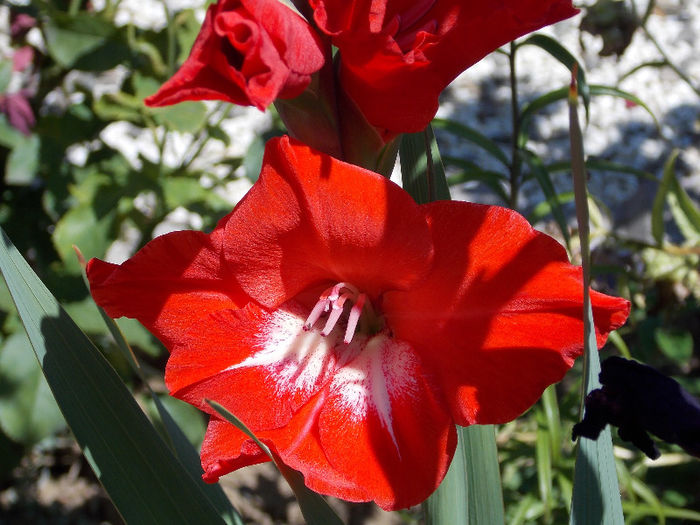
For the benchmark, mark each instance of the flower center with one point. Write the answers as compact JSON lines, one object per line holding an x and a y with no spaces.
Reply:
{"x":334,"y":301}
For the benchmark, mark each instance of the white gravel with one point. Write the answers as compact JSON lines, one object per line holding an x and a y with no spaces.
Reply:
{"x":480,"y":98}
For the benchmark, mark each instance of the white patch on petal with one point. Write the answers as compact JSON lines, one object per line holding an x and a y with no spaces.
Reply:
{"x":382,"y":371}
{"x":297,"y":360}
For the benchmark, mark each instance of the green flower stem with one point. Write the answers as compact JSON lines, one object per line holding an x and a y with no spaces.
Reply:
{"x":596,"y":492}
{"x":515,"y":111}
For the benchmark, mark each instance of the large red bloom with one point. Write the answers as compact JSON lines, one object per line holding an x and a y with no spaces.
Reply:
{"x":397,"y":56}
{"x":351,"y":328}
{"x":248,"y":52}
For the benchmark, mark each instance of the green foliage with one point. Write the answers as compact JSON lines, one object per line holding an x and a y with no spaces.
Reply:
{"x":421,"y":167}
{"x":563,"y":55}
{"x":85,"y":41}
{"x":28,"y":412}
{"x":143,"y":478}
{"x":23,"y":161}
{"x":5,"y":74}
{"x":484,"y":492}
{"x":180,"y":425}
{"x":449,"y":504}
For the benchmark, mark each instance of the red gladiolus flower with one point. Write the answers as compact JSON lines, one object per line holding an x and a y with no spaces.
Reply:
{"x":397,"y":56}
{"x":249,"y":52}
{"x":350,"y":328}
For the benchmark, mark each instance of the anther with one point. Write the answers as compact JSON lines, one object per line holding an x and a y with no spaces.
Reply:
{"x":354,"y":317}
{"x":336,"y":312}
{"x":321,"y":306}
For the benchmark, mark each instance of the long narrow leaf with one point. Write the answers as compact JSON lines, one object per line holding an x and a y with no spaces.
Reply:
{"x":555,"y":49}
{"x":422,"y":172}
{"x":617,"y":340}
{"x":687,"y":206}
{"x":530,"y":109}
{"x":593,"y":163}
{"x":173,"y":434}
{"x":684,"y":222}
{"x":543,"y":456}
{"x":656,"y":64}
{"x":180,"y":445}
{"x":448,"y":505}
{"x":472,"y":172}
{"x":539,"y":171}
{"x":657,"y":209}
{"x":550,"y":407}
{"x":475,"y":137}
{"x":639,"y":510}
{"x":314,"y":508}
{"x":484,"y":490}
{"x":629,"y":97}
{"x":142,"y":477}
{"x":544,"y":208}
{"x":596,"y":493}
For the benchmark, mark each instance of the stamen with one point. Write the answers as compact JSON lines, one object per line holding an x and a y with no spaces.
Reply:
{"x":327,"y":299}
{"x":333,"y":300}
{"x":353,"y":290}
{"x":335,"y":313}
{"x":354,"y":317}
{"x":321,"y":306}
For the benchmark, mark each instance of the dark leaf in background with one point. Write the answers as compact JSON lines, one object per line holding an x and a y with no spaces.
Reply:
{"x":85,"y":42}
{"x":614,"y":22}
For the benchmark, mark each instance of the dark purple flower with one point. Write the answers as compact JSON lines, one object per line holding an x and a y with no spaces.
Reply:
{"x":638,"y":399}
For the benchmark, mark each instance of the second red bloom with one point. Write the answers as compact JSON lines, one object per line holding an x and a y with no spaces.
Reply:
{"x":397,"y":56}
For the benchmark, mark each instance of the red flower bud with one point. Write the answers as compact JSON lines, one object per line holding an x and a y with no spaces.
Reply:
{"x":249,"y":52}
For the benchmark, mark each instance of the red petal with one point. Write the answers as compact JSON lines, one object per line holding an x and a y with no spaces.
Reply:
{"x":396,"y":57}
{"x":379,"y":432}
{"x":499,"y":318}
{"x":299,"y":446}
{"x":247,"y":52}
{"x":385,"y":427}
{"x":311,"y":219}
{"x":261,"y":366}
{"x":225,"y":449}
{"x":167,"y":284}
